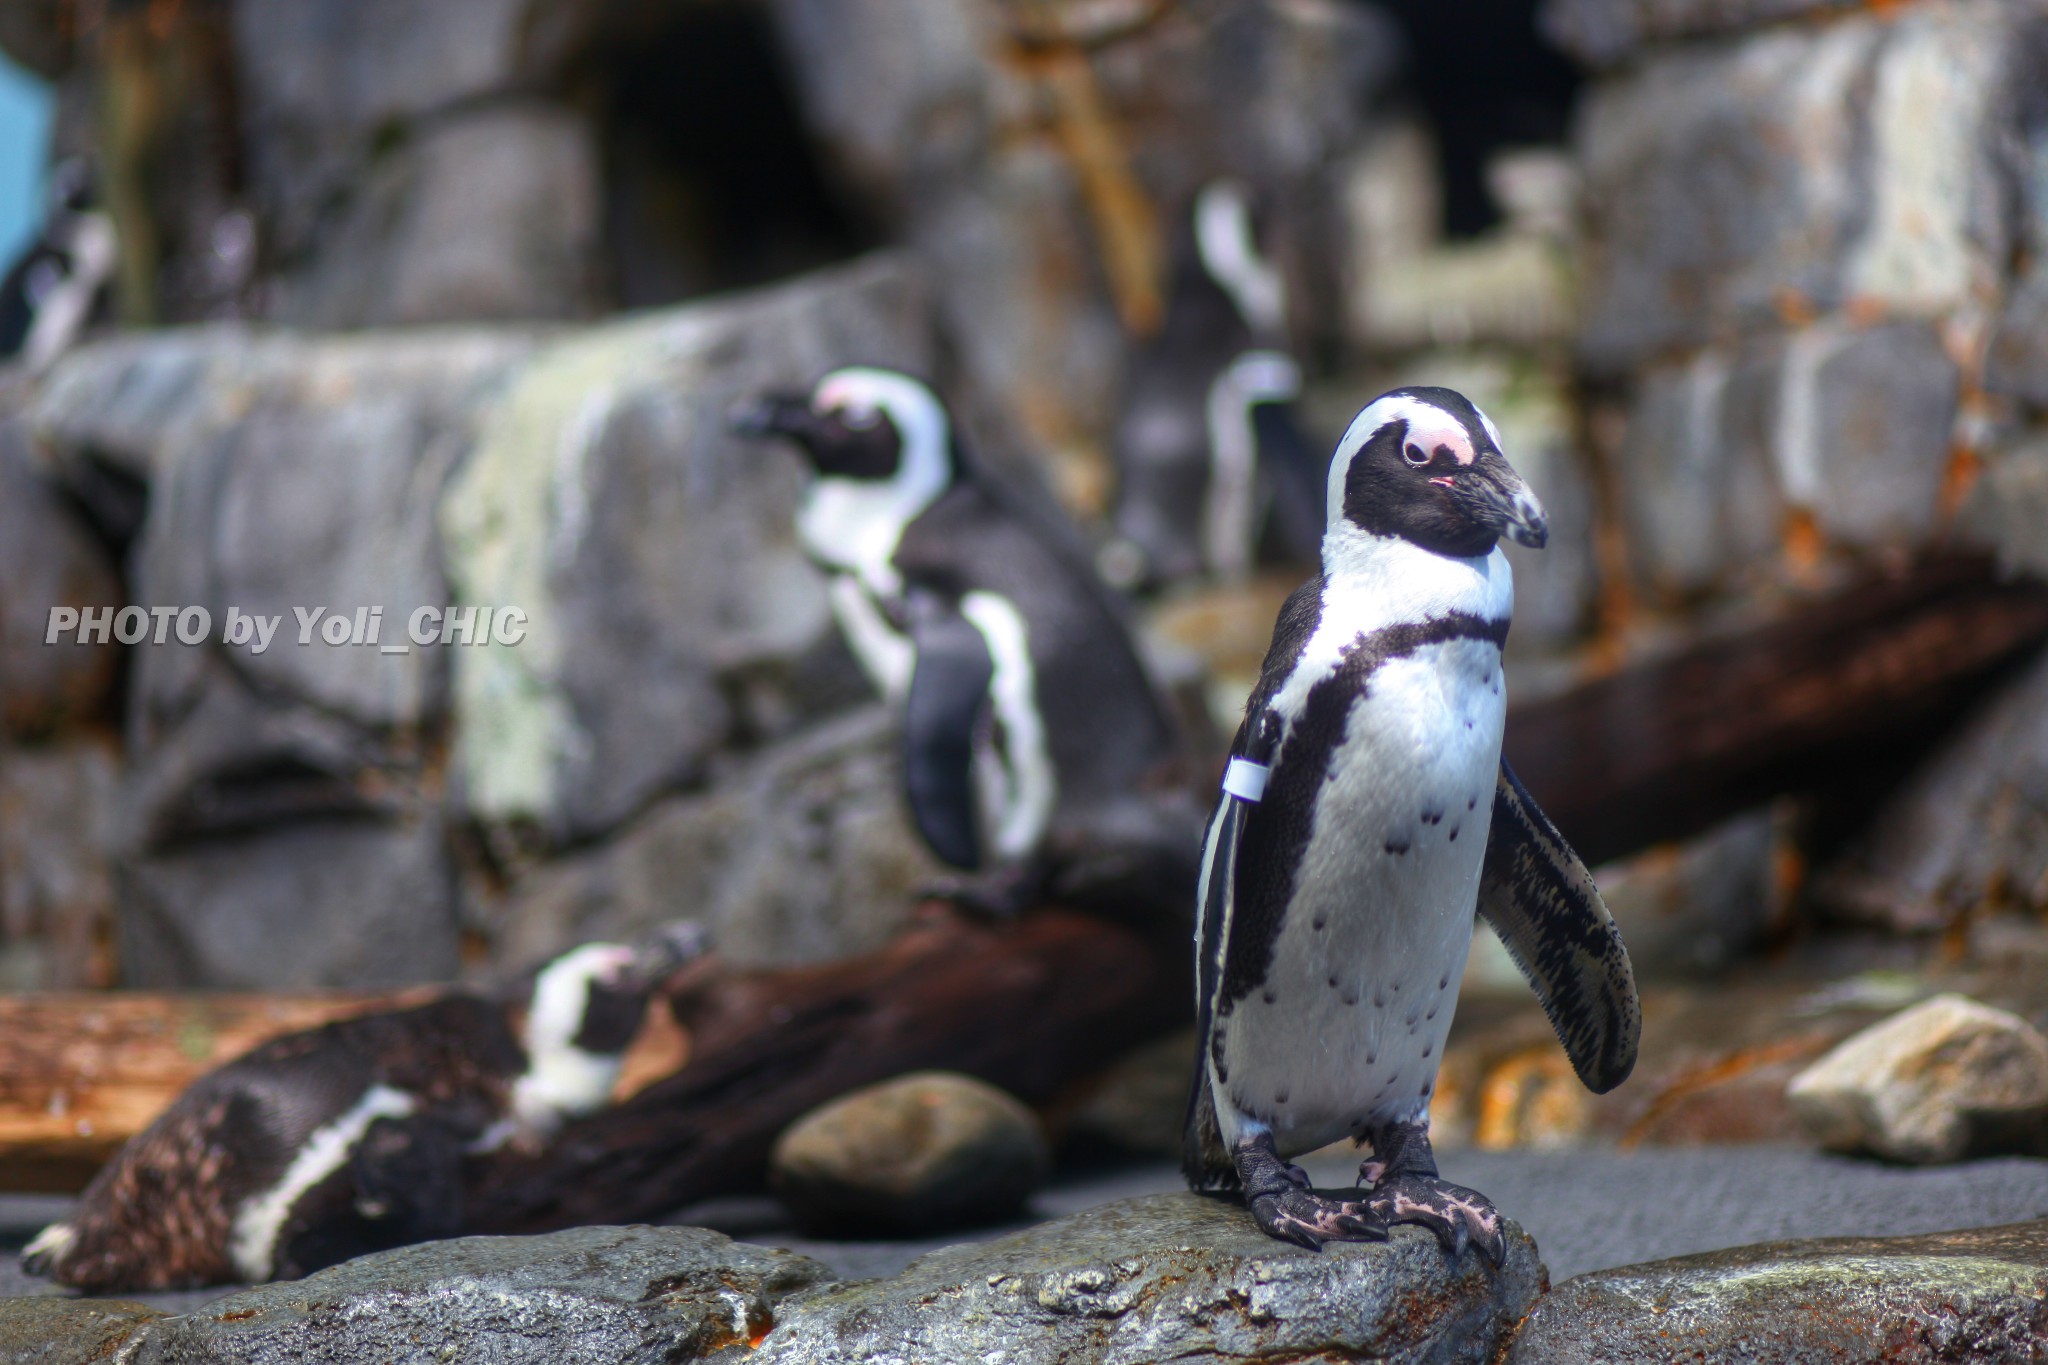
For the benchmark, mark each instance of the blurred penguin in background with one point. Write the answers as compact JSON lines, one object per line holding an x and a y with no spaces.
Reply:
{"x":53,"y":290}
{"x":323,"y":1145}
{"x":1213,"y":475}
{"x":1038,"y":759}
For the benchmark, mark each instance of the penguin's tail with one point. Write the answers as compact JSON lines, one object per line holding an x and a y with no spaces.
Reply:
{"x":1203,"y":1158}
{"x":44,"y":1256}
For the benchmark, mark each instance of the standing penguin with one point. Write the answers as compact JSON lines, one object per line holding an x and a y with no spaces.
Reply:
{"x":1211,"y":468}
{"x":1031,"y":731}
{"x":49,"y":295}
{"x":323,"y":1145}
{"x":1366,"y":814}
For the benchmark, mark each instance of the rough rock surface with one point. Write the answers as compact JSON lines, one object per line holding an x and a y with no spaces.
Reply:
{"x":1848,"y":426}
{"x":654,"y":553}
{"x":1939,"y":1081}
{"x":1169,"y":1277}
{"x":58,"y":836}
{"x":1803,"y":169}
{"x":2016,"y":361}
{"x":920,"y":1153}
{"x":47,"y":559}
{"x":1953,"y":1296}
{"x":54,"y":1331}
{"x":613,"y":1294}
{"x":1969,"y":829}
{"x":801,"y":852}
{"x":1602,"y":32}
{"x":1699,"y":906}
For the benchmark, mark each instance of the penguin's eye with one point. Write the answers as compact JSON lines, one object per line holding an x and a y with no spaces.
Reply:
{"x":1415,"y":455}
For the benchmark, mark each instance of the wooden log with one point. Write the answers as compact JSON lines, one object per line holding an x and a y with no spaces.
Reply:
{"x":81,"y":1073}
{"x":1031,"y":1006}
{"x":1666,"y":747}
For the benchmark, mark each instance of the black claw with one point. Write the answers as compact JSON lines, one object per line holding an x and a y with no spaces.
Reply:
{"x":1457,"y":1216}
{"x":1309,"y":1219}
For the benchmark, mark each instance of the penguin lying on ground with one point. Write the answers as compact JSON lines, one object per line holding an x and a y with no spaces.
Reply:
{"x":1031,"y":730}
{"x":49,"y":295}
{"x":323,"y":1145}
{"x":1366,"y":813}
{"x":1211,"y":468}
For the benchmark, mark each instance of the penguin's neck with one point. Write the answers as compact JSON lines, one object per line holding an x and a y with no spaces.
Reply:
{"x":1374,"y":581}
{"x":855,"y":525}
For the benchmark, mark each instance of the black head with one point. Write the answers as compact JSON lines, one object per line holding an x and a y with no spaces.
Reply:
{"x":863,"y":424}
{"x":1424,"y":464}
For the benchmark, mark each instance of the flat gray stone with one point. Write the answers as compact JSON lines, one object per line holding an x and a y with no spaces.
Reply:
{"x":1170,"y":1277}
{"x":1979,"y":1295}
{"x":617,"y":1295}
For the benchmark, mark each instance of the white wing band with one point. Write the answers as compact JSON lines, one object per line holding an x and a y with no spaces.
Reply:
{"x":1246,"y":780}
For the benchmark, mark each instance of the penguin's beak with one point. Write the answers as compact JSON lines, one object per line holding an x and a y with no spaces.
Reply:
{"x":775,"y":414}
{"x":667,"y":950}
{"x":1508,"y":503}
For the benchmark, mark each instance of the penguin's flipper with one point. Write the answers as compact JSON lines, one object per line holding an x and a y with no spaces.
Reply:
{"x":1540,"y":899}
{"x":948,"y":690}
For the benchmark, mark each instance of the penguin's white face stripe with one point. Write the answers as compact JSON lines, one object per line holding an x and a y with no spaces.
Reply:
{"x":1020,"y":788}
{"x":562,"y":1079}
{"x":855,"y":525}
{"x":1429,"y":426}
{"x":252,"y":1244}
{"x":1230,"y":254}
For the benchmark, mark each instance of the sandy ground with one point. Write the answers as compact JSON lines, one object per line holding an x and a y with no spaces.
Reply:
{"x":1587,"y":1209}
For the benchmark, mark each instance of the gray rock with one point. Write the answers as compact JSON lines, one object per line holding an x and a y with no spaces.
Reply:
{"x":1849,"y":426}
{"x":48,"y":559}
{"x":58,"y":836}
{"x":1605,"y":32}
{"x":626,"y":1295}
{"x":1137,"y":1106}
{"x":488,"y":214}
{"x":52,"y":1331}
{"x":1702,"y":905}
{"x":1802,"y":170}
{"x":653,"y":552}
{"x":1970,"y":828}
{"x":1942,"y":1080}
{"x":800,"y":853}
{"x":1954,"y":1296}
{"x":2007,"y":507}
{"x":1169,"y":1277}
{"x":296,"y":905}
{"x":918,"y":1154}
{"x":2016,"y":361}
{"x":325,"y":83}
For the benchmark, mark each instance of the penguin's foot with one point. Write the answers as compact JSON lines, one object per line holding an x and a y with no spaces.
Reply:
{"x":1284,"y":1206}
{"x":1405,"y":1188}
{"x":1456,"y":1215}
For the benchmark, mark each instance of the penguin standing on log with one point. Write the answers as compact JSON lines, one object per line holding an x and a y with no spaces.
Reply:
{"x":1366,"y":813}
{"x":1032,"y":735}
{"x":319,"y":1146}
{"x":1211,"y":468}
{"x":50,"y":293}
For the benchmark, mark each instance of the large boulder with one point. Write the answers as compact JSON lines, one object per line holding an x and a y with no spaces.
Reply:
{"x":54,"y":1331}
{"x":1953,"y":1296}
{"x":669,"y":611}
{"x":624,"y":1296}
{"x":1934,"y":1083}
{"x":1847,"y":428}
{"x":1968,"y":830}
{"x":58,"y":842}
{"x":1169,"y":1277}
{"x":802,"y":852}
{"x":1864,"y":163}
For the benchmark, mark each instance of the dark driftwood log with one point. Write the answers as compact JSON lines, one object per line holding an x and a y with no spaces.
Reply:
{"x":1031,"y":1006}
{"x":1665,"y":748}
